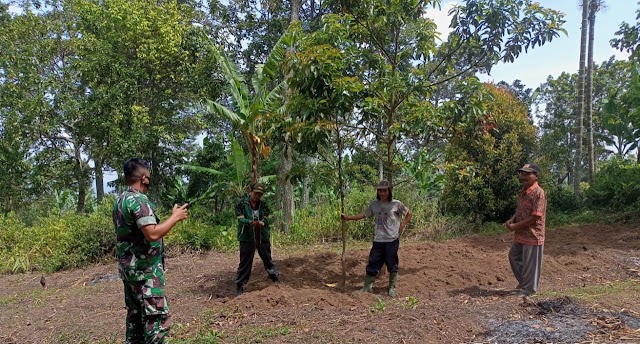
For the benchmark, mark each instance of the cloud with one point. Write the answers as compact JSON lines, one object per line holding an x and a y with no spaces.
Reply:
{"x":442,"y":18}
{"x":620,"y":55}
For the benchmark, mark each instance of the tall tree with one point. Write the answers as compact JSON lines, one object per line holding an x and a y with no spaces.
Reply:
{"x":401,"y":64}
{"x":577,"y":169}
{"x":594,"y":8}
{"x":143,"y":64}
{"x":326,"y":92}
{"x":44,"y":91}
{"x":622,"y":116}
{"x":554,"y":106}
{"x":557,"y":97}
{"x":284,"y":194}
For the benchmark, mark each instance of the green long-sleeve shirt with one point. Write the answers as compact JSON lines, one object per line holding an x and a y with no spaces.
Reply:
{"x":244,"y":213}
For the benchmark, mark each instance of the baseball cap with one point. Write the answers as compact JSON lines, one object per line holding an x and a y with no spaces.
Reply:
{"x":258,"y":188}
{"x":530,"y":167}
{"x":384,"y":184}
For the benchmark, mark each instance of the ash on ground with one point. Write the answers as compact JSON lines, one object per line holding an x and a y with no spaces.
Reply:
{"x":563,"y":320}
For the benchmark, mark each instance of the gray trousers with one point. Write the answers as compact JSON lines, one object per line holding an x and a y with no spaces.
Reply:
{"x":526,"y":264}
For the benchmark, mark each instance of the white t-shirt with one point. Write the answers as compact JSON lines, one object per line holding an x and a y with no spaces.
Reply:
{"x":388,"y":216}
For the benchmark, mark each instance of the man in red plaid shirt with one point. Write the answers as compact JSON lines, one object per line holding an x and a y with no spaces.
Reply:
{"x":528,"y":226}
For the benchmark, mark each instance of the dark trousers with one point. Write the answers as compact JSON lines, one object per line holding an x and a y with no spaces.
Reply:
{"x":247,"y":252}
{"x":383,"y":253}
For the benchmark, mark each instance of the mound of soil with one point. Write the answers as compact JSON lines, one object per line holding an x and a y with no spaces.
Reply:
{"x":453,"y":291}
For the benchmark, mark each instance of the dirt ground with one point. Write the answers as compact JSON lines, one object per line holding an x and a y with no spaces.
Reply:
{"x":455,"y":291}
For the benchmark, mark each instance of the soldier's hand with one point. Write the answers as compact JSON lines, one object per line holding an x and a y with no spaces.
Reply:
{"x":180,"y":212}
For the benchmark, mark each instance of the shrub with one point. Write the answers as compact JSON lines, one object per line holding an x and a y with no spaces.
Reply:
{"x":482,"y":157}
{"x":56,"y":242}
{"x":192,"y":234}
{"x":560,"y":198}
{"x":616,"y":186}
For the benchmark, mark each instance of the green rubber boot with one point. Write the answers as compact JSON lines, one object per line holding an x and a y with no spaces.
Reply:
{"x":393,"y":279}
{"x":368,"y":284}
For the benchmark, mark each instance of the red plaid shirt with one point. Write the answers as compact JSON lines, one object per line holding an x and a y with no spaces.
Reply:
{"x":531,"y":201}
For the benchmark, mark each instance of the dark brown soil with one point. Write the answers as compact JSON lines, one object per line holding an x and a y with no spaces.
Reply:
{"x":456,"y":291}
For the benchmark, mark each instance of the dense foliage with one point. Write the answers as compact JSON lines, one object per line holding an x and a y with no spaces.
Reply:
{"x":321,"y":97}
{"x":482,"y":158}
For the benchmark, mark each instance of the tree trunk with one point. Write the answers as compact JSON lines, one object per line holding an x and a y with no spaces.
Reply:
{"x":306,"y":183}
{"x":589,"y":99}
{"x":253,"y":152}
{"x":343,"y":225}
{"x":295,"y":10}
{"x":390,"y":153}
{"x":80,"y":176}
{"x":286,"y":202}
{"x":379,"y":148}
{"x":99,"y":163}
{"x":580,"y":113}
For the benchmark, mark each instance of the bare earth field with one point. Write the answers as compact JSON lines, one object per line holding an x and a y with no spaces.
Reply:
{"x":455,"y":291}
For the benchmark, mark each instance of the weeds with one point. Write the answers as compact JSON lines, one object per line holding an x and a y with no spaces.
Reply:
{"x":410,"y":302}
{"x":379,"y":307}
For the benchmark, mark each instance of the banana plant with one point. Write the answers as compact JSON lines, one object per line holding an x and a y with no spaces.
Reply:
{"x":234,"y":182}
{"x":250,"y":110}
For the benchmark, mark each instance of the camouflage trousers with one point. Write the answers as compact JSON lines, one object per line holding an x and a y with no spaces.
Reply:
{"x":148,"y":319}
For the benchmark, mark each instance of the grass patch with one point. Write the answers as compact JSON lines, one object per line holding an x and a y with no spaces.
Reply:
{"x":205,"y":336}
{"x":617,"y":293}
{"x":272,"y":331}
{"x":259,"y":334}
{"x":32,"y":297}
{"x":6,"y":300}
{"x":201,"y":331}
{"x":80,"y":337}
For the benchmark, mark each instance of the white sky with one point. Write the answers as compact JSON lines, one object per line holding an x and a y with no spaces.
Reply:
{"x":563,"y":53}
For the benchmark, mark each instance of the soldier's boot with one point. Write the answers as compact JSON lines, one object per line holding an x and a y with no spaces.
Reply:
{"x":368,"y":284}
{"x":393,"y":279}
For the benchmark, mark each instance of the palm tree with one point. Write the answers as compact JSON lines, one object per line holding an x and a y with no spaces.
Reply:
{"x":594,"y":7}
{"x":250,"y":109}
{"x":580,"y":113}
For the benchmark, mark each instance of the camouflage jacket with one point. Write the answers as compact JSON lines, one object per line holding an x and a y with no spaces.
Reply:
{"x":244,"y":213}
{"x":138,"y":258}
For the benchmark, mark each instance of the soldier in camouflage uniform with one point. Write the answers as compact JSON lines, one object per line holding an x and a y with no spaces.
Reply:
{"x":139,"y":250}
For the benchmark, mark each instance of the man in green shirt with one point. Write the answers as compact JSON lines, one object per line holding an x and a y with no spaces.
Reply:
{"x":139,"y":250}
{"x":253,"y":234}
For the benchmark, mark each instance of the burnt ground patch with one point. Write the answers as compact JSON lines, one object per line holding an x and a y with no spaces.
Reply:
{"x":564,"y":320}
